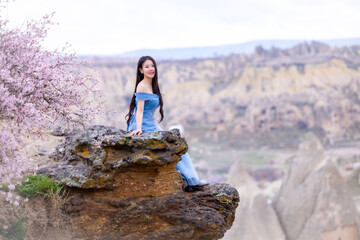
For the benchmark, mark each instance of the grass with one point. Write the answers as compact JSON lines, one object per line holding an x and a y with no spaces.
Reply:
{"x":32,"y":186}
{"x":43,"y":216}
{"x":16,"y":231}
{"x":38,"y":185}
{"x":4,"y":188}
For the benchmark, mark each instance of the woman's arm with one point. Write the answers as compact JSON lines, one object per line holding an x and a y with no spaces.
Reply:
{"x":139,"y":111}
{"x":139,"y":115}
{"x":139,"y":118}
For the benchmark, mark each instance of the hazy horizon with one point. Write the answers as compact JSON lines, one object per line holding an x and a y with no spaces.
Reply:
{"x":112,"y":27}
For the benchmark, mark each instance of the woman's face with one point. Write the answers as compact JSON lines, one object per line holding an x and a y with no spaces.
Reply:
{"x":148,"y":69}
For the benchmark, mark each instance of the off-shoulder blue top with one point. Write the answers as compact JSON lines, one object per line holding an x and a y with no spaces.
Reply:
{"x":152,"y":102}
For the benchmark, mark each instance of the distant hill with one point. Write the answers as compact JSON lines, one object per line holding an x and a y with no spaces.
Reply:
{"x":249,"y":99}
{"x":224,"y":50}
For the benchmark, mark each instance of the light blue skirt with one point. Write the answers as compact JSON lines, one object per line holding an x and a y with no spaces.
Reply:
{"x":185,"y":166}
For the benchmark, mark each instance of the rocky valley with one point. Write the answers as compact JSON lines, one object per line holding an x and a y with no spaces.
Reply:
{"x":280,"y":126}
{"x":308,"y":87}
{"x":256,"y":109}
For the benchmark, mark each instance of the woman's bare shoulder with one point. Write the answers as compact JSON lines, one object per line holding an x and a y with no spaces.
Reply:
{"x":141,"y":87}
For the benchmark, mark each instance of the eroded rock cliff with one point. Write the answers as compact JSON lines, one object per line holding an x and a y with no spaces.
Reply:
{"x":127,"y":188}
{"x":310,"y":86}
{"x":314,"y":201}
{"x":255,"y":218}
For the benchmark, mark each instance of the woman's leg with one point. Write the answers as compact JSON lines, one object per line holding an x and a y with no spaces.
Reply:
{"x":187,"y":170}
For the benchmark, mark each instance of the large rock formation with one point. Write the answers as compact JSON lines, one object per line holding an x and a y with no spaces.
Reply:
{"x":127,"y":188}
{"x":254,"y":219}
{"x":314,"y":202}
{"x":309,"y":86}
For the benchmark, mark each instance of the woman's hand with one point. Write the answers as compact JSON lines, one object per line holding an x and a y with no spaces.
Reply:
{"x":135,"y":132}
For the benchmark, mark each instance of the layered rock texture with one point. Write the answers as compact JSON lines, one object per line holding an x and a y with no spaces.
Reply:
{"x":314,"y":201}
{"x":255,"y":219}
{"x":127,"y":188}
{"x":310,"y":86}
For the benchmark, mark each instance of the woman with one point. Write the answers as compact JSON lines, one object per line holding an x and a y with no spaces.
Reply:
{"x":146,"y":99}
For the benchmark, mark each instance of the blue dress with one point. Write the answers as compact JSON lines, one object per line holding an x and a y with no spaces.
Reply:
{"x":152,"y":102}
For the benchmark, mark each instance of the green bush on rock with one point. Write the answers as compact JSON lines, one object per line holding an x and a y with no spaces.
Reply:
{"x":38,"y":185}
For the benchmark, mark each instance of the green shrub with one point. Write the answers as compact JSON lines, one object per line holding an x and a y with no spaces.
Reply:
{"x":38,"y":185}
{"x":16,"y":231}
{"x":4,"y":188}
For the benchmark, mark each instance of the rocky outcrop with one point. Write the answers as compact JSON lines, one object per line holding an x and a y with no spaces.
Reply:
{"x":255,"y":219}
{"x":314,"y":202}
{"x":127,"y":188}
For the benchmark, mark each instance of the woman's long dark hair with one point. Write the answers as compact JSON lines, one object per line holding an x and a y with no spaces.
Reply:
{"x":155,"y":87}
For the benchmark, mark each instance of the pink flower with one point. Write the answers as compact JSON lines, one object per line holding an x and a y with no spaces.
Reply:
{"x":37,"y":89}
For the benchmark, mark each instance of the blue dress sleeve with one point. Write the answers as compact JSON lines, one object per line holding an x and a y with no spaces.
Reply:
{"x":139,"y":96}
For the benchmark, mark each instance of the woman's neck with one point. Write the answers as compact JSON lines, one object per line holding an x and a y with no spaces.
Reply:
{"x":148,"y":80}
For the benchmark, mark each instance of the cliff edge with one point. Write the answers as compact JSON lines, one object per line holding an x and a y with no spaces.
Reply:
{"x":127,"y":188}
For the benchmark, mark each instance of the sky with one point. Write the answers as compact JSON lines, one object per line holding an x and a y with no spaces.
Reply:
{"x":107,"y":27}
